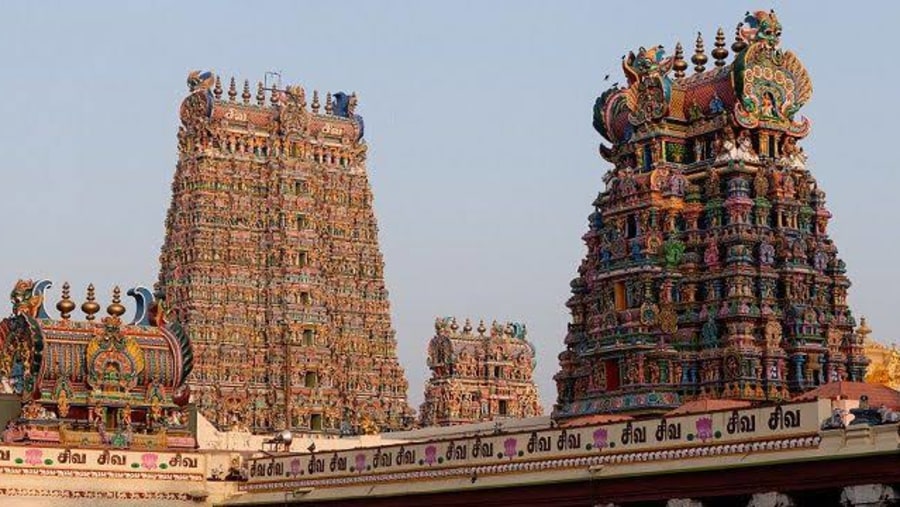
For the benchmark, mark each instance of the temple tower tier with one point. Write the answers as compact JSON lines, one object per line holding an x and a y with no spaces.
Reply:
{"x":479,"y":376}
{"x":709,"y":271}
{"x":271,"y":261}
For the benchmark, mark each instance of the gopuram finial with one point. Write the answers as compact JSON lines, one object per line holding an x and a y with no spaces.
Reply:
{"x":273,"y":97}
{"x":481,"y":328}
{"x":467,"y":327}
{"x":699,"y":59}
{"x":65,"y":305}
{"x":720,"y":53}
{"x":217,"y":90}
{"x":260,"y":94}
{"x":232,"y":90}
{"x":116,"y":309}
{"x":315,"y":102}
{"x":863,"y":330}
{"x":90,"y":307}
{"x":739,"y":43}
{"x":679,"y":64}
{"x":245,"y":96}
{"x":329,"y":107}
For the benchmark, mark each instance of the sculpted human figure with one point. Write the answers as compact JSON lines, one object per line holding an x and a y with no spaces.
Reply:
{"x":744,"y":149}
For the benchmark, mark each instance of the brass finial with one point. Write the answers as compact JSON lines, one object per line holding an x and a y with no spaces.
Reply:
{"x":65,"y":305}
{"x":232,"y":90}
{"x":246,"y":95}
{"x":217,"y":91}
{"x":315,"y":102}
{"x":720,"y":53}
{"x":273,"y":97}
{"x":260,"y":94}
{"x":329,"y":107}
{"x":863,"y":330}
{"x":679,"y":65}
{"x":453,"y":325}
{"x":467,"y":327}
{"x":739,"y":43}
{"x":481,"y":327}
{"x":116,"y":309}
{"x":699,"y":59}
{"x":90,"y":307}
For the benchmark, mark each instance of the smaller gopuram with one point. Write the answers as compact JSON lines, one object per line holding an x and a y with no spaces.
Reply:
{"x":479,"y":376}
{"x":97,"y":383}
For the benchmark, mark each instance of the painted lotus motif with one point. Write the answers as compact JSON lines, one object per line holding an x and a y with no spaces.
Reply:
{"x":704,"y":428}
{"x":34,"y":456}
{"x":430,"y":455}
{"x":149,"y":460}
{"x":509,"y":447}
{"x":600,"y":438}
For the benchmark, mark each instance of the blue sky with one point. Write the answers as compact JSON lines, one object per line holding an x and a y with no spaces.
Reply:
{"x":482,"y":157}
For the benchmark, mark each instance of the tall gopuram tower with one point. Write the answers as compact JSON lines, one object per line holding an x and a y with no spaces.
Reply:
{"x":478,"y":377}
{"x":271,"y":262}
{"x":709,"y":272}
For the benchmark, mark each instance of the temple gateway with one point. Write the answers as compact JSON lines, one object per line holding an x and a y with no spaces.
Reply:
{"x":709,"y":272}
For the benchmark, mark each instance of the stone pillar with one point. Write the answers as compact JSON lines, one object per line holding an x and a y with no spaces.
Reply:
{"x":869,"y":495}
{"x":770,"y":499}
{"x":684,"y":502}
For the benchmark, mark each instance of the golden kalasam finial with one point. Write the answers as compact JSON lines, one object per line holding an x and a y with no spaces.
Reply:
{"x":453,"y":325}
{"x":245,"y":96}
{"x":260,"y":94}
{"x":232,"y":90}
{"x":863,"y":330}
{"x":679,"y":65}
{"x":315,"y":102}
{"x":720,"y":53}
{"x":65,"y":305}
{"x":116,"y":309}
{"x":329,"y":107}
{"x":467,"y":327}
{"x":699,"y":59}
{"x":217,"y":90}
{"x":481,"y":327}
{"x":90,"y":307}
{"x":273,"y":96}
{"x":739,"y":43}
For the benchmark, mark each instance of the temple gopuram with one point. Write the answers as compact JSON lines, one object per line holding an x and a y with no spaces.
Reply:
{"x":709,"y":271}
{"x":93,"y":384}
{"x":479,"y":377}
{"x":271,"y":262}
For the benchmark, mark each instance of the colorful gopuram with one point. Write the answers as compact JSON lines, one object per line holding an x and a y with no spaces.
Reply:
{"x":271,"y":262}
{"x":709,"y":271}
{"x":93,"y":383}
{"x":479,"y":376}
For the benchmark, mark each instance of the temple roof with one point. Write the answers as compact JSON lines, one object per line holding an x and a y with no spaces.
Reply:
{"x":878,"y":395}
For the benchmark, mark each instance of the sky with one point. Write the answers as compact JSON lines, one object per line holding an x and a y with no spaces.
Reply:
{"x":482,"y":157}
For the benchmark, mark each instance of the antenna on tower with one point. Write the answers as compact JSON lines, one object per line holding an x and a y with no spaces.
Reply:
{"x":276,"y":79}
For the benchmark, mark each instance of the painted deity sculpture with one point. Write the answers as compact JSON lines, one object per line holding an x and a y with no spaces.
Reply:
{"x":741,"y":253}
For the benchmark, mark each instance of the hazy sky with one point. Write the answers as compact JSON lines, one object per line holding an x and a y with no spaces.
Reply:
{"x":478,"y":118}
